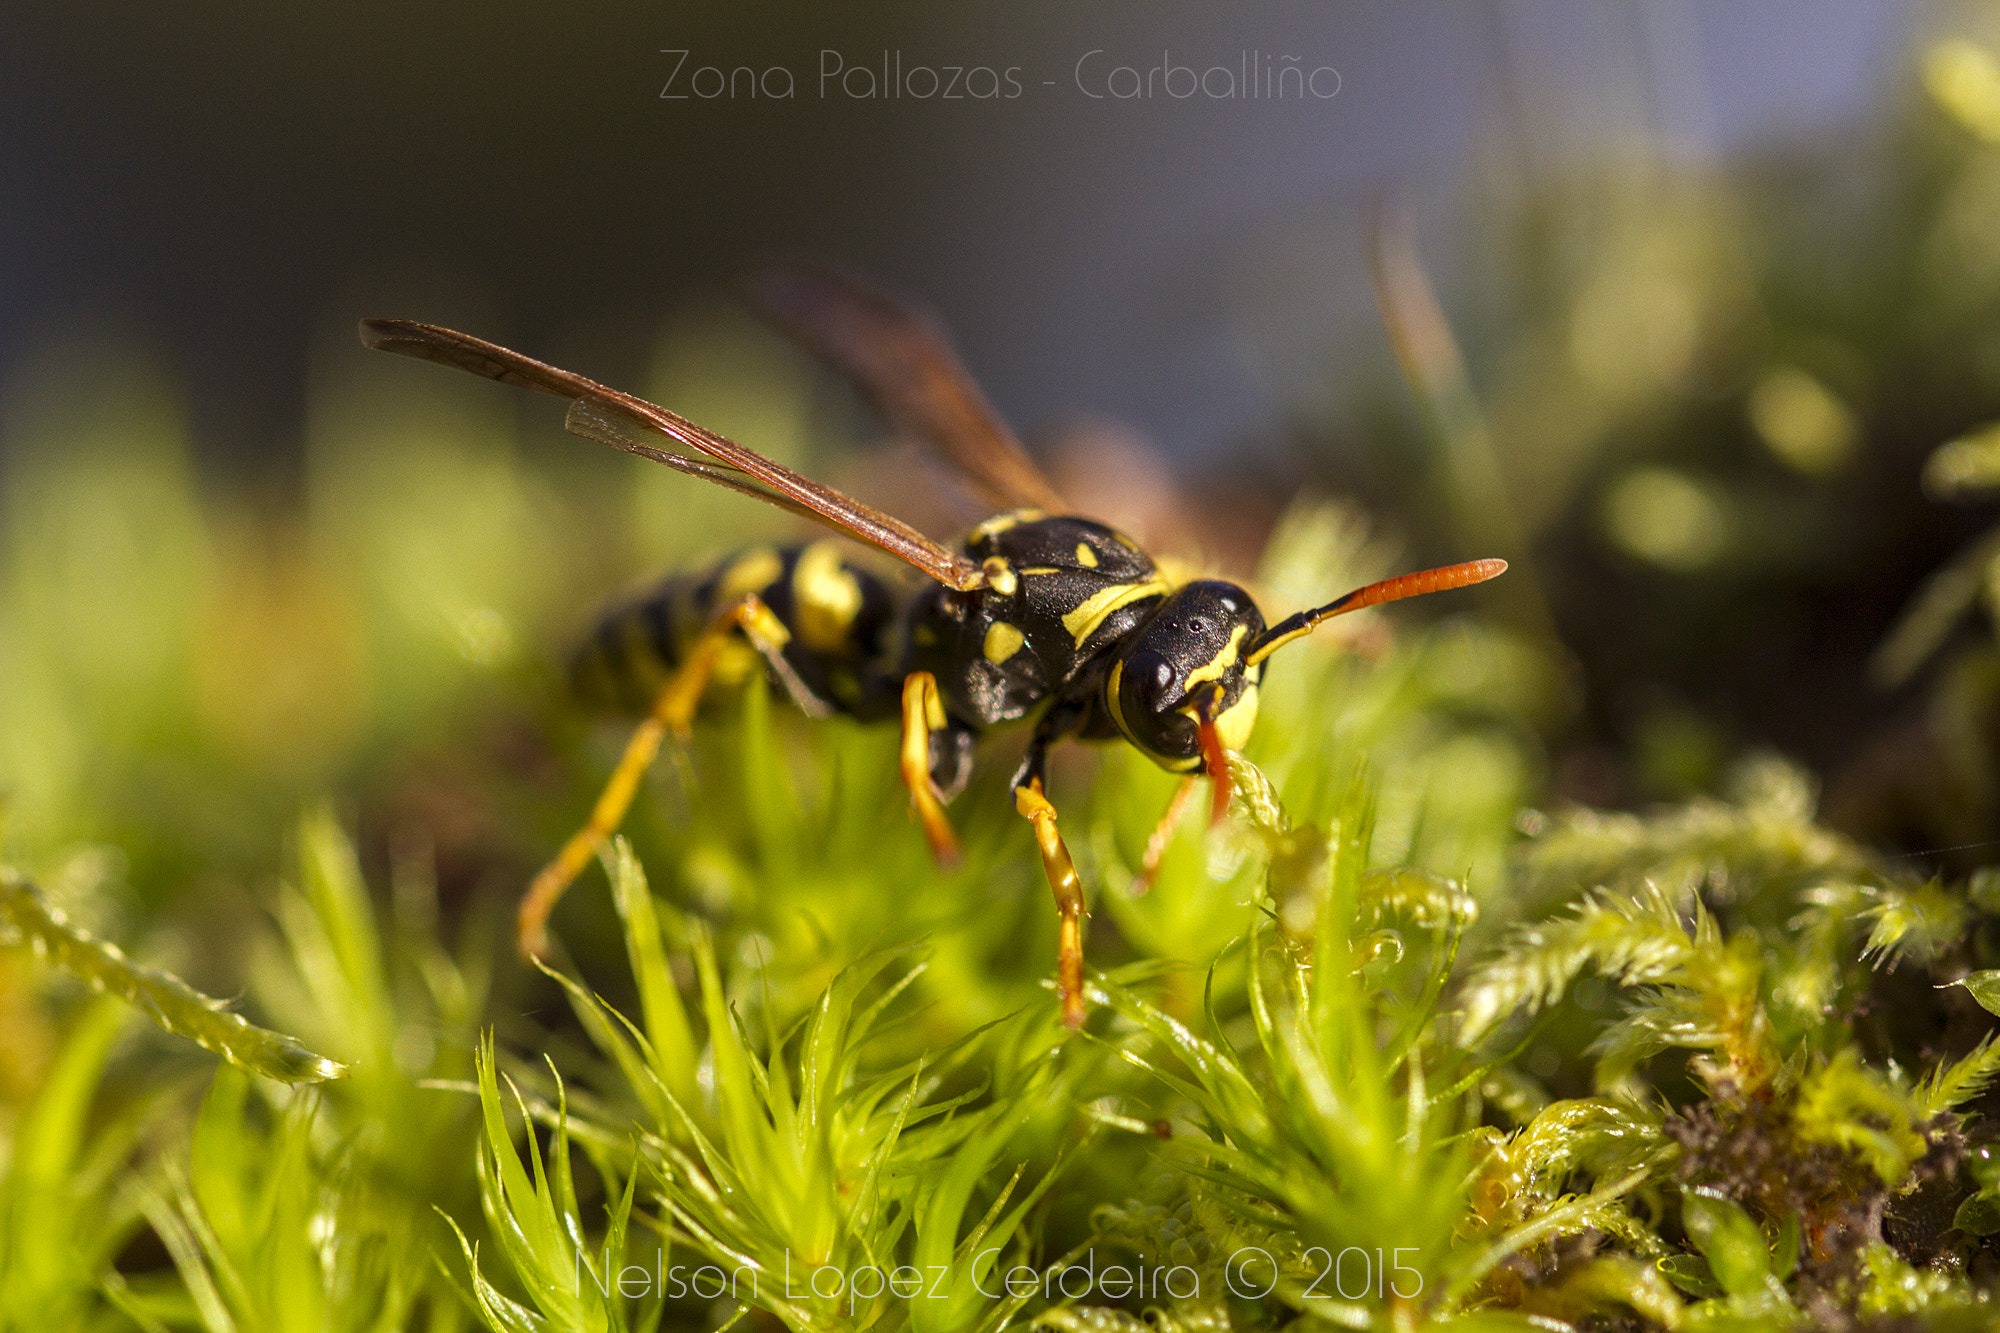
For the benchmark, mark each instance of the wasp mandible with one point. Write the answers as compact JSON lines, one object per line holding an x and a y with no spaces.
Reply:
{"x":1037,"y":614}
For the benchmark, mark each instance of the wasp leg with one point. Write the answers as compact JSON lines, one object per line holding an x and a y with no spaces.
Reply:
{"x":1068,"y":891}
{"x":1063,"y":882}
{"x":923,"y":713}
{"x":1163,"y":835}
{"x":672,"y":711}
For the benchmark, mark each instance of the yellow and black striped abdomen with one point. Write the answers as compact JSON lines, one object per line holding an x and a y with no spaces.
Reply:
{"x":838,"y":615}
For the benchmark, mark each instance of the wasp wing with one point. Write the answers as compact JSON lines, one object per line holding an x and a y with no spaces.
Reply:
{"x":624,"y":421}
{"x":904,"y":365}
{"x":594,"y":419}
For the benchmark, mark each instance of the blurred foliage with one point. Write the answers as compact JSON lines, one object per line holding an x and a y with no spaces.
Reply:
{"x":1443,"y":1025}
{"x":1756,"y":402}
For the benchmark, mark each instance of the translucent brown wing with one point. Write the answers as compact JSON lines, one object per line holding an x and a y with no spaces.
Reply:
{"x":627,"y":423}
{"x":595,"y":419}
{"x":904,"y":365}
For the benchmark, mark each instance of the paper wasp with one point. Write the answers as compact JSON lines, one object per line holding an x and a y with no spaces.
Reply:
{"x":1036,"y":616}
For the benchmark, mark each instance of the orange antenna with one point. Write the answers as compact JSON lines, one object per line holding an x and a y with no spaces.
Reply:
{"x":1388,"y":590}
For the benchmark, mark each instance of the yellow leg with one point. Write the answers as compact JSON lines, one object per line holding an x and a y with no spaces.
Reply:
{"x":1163,"y":835}
{"x":1068,"y":891}
{"x":672,"y":711}
{"x":923,"y":713}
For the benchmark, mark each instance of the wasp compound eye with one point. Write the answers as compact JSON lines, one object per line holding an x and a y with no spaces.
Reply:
{"x":1148,"y":695}
{"x":1148,"y":681}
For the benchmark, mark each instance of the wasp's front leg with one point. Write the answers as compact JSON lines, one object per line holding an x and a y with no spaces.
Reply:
{"x":924,"y":720}
{"x":672,"y":711}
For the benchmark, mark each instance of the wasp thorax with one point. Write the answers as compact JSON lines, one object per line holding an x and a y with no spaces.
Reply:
{"x":1185,"y":662}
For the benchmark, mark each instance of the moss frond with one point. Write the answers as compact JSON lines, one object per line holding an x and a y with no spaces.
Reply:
{"x":170,"y":1002}
{"x":1914,"y":924}
{"x":531,"y":1210}
{"x":1634,"y":937}
{"x":1951,"y":1086}
{"x":62,"y":1218}
{"x":1846,"y":1105}
{"x":1762,"y":847}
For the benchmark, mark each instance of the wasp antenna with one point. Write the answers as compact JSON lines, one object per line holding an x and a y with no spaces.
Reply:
{"x":1388,"y":590}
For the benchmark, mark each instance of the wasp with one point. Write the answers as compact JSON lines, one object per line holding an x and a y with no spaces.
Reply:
{"x":1036,"y":616}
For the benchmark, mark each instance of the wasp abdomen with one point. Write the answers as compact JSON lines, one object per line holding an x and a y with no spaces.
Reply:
{"x":837,"y":614}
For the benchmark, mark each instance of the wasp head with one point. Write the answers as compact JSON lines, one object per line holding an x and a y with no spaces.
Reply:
{"x":1183,"y":674}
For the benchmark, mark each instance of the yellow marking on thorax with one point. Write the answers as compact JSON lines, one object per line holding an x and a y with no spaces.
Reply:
{"x":753,"y":571}
{"x":1002,"y":642}
{"x":1000,"y":523}
{"x":1000,"y":576}
{"x":1085,"y":556}
{"x":1093,"y":611}
{"x":826,"y":598}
